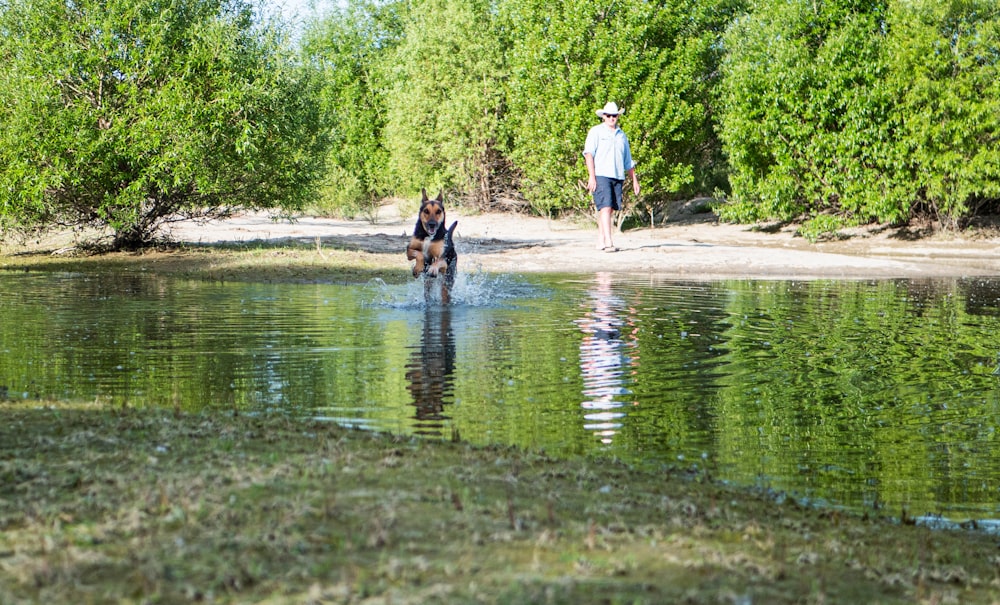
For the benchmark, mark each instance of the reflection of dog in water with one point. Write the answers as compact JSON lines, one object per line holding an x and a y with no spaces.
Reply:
{"x":432,"y":247}
{"x":430,"y":368}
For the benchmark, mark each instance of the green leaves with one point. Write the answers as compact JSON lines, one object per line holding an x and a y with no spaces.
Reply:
{"x":871,"y":113}
{"x":444,"y":98}
{"x":492,"y":100}
{"x":139,"y":112}
{"x":130,"y":113}
{"x":567,"y":58}
{"x":350,"y":48}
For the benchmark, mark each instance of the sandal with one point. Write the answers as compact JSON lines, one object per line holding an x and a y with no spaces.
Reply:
{"x":610,"y":249}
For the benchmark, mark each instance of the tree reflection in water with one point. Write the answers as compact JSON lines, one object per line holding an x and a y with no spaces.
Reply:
{"x":609,"y":337}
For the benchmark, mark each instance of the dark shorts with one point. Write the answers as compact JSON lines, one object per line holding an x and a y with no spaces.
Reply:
{"x":608,"y":193}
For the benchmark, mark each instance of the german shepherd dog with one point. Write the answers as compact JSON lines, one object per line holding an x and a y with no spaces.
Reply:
{"x":432,"y":246}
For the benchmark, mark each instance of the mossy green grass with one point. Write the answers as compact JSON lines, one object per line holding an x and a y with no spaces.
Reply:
{"x":105,"y":505}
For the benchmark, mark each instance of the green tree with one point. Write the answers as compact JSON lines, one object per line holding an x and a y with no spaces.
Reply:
{"x":805,"y":118}
{"x":945,"y":72}
{"x":658,"y":60}
{"x":846,"y":111}
{"x":126,"y":114}
{"x":445,"y":100}
{"x":351,"y":46}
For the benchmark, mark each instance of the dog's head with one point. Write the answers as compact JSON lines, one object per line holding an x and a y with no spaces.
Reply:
{"x":431,"y":212}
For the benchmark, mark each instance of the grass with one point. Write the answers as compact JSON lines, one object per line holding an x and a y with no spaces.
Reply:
{"x":111,"y":505}
{"x":286,"y":262}
{"x":101,"y":505}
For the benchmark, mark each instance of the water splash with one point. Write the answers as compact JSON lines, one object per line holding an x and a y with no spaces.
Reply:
{"x":471,"y":289}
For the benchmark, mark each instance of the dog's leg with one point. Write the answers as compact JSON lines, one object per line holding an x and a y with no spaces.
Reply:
{"x":448,"y":275}
{"x":445,"y":286}
{"x":445,"y":290}
{"x":428,"y":292}
{"x":438,"y":267}
{"x":415,"y":251}
{"x":432,"y":252}
{"x":448,"y":264}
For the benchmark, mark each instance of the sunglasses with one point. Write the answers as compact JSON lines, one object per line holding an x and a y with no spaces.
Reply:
{"x":611,"y":115}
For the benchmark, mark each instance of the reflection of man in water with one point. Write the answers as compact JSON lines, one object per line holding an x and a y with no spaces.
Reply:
{"x":603,"y":358}
{"x":430,"y":370}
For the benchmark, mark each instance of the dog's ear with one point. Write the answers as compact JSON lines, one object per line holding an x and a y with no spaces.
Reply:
{"x":440,"y":197}
{"x":423,"y":195}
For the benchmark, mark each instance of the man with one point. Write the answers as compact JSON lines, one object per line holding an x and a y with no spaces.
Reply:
{"x":609,"y":160}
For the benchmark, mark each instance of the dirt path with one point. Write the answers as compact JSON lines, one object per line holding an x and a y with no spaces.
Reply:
{"x":695,"y":246}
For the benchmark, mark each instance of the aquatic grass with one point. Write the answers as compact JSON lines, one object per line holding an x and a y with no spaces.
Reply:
{"x":288,"y":261}
{"x":108,"y":505}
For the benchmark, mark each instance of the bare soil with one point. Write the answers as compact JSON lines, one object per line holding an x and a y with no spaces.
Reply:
{"x":692,"y":245}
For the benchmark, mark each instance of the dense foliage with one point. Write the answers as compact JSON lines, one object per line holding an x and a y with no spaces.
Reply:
{"x":834,"y":110}
{"x":348,"y":48}
{"x":129,"y":113}
{"x":445,"y":98}
{"x":862,"y":110}
{"x":492,"y":100}
{"x":657,"y":60}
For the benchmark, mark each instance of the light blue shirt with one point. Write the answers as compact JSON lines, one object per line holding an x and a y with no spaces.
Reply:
{"x":611,"y":151}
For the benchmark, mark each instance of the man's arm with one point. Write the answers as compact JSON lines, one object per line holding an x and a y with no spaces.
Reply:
{"x":591,"y":178}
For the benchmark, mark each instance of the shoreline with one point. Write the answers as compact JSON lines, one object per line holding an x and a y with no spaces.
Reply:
{"x":685,"y":246}
{"x":690,"y":246}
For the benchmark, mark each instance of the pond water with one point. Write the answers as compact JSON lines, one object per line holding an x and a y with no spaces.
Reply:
{"x":861,"y":394}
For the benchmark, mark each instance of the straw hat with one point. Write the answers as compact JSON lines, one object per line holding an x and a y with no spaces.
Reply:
{"x":609,"y":109}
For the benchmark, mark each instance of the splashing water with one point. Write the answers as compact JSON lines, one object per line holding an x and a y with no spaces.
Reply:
{"x":471,"y":289}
